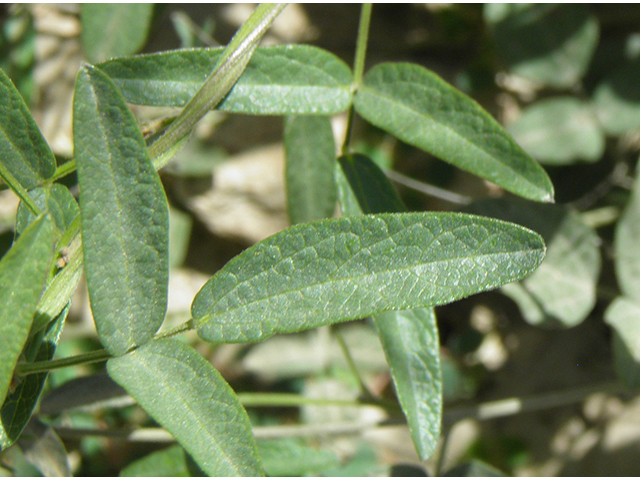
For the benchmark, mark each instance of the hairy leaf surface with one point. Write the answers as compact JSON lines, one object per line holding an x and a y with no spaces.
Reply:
{"x":23,"y":150}
{"x":189,"y":398}
{"x":279,"y":80}
{"x":421,"y":109}
{"x":310,"y":159}
{"x":23,"y":274}
{"x":124,"y":216}
{"x":338,"y":270}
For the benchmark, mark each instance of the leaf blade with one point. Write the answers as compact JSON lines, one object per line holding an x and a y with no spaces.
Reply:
{"x":23,"y":149}
{"x":421,"y":109}
{"x":278,"y":80}
{"x":23,"y":273}
{"x":124,"y":216}
{"x":166,"y":374}
{"x":627,"y":261}
{"x":310,"y":157}
{"x":343,"y":269}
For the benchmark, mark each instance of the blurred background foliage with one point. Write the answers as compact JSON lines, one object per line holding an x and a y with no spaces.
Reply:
{"x":563,"y":81}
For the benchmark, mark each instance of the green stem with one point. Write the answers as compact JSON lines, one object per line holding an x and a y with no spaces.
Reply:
{"x":292,"y":400}
{"x":63,"y":170}
{"x":364,"y":390}
{"x":19,"y":190}
{"x":234,"y":59}
{"x":358,"y":66}
{"x":91,"y":357}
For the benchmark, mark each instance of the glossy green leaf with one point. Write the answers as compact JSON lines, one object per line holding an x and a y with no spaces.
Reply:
{"x":550,"y":44}
{"x":124,"y":216}
{"x":421,"y":109}
{"x":370,"y":188}
{"x":623,"y":315}
{"x":170,"y":462}
{"x":410,"y":341}
{"x":189,"y":398}
{"x":617,"y":100}
{"x":54,"y":199}
{"x":291,"y":458}
{"x":562,"y":291}
{"x":310,"y":159}
{"x":23,"y":273}
{"x":114,"y":29}
{"x":279,"y":80}
{"x":338,"y":270}
{"x":19,"y":404}
{"x":23,"y":151}
{"x":559,"y":131}
{"x":626,"y":245}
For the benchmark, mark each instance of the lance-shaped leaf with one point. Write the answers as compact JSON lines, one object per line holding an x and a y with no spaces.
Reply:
{"x":423,"y":110}
{"x":411,"y":344}
{"x":189,"y":398}
{"x":54,"y":199}
{"x":114,"y":29}
{"x":23,"y":151}
{"x":124,"y":216}
{"x":17,"y":407}
{"x":279,"y":80}
{"x":409,"y":337}
{"x":626,"y":244}
{"x":338,"y":270}
{"x":23,"y":273}
{"x":310,"y":151}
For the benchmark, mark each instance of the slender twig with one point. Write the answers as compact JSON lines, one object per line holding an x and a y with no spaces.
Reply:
{"x":19,"y":190}
{"x":358,"y":67}
{"x":427,"y":189}
{"x":364,"y":390}
{"x":62,"y":171}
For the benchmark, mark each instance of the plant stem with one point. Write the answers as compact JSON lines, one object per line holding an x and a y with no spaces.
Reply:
{"x":19,"y":190}
{"x":39,"y":367}
{"x":358,"y":67}
{"x":364,"y":390}
{"x":234,"y":59}
{"x":293,"y":400}
{"x":63,"y":170}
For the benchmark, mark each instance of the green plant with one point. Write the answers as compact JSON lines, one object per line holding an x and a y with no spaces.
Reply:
{"x":377,"y":261}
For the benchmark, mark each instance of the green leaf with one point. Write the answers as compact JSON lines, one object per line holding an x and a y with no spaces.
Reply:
{"x":616,"y":100}
{"x":189,"y":398}
{"x":23,"y":150}
{"x":170,"y":462}
{"x":124,"y":216}
{"x":18,"y":48}
{"x":23,"y":273}
{"x":114,"y":29}
{"x":627,"y":233}
{"x":54,"y":199}
{"x":623,"y":316}
{"x":551,"y":44}
{"x":562,"y":291}
{"x":366,"y":184}
{"x":310,"y":158}
{"x":279,"y":80}
{"x":421,"y":109}
{"x":410,"y":341}
{"x":409,"y":337}
{"x":19,"y":404}
{"x":343,"y":269}
{"x":291,"y":458}
{"x":559,"y":131}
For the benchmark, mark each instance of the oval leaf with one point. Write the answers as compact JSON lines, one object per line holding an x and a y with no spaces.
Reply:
{"x":279,"y":80}
{"x":562,"y":292}
{"x":423,"y":110}
{"x":559,"y":131}
{"x":124,"y":216}
{"x":23,"y":273}
{"x":310,"y":158}
{"x":616,"y":100}
{"x":189,"y":398}
{"x":338,"y":270}
{"x":23,"y":150}
{"x":411,"y":345}
{"x":550,"y":44}
{"x":114,"y":29}
{"x":626,"y":245}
